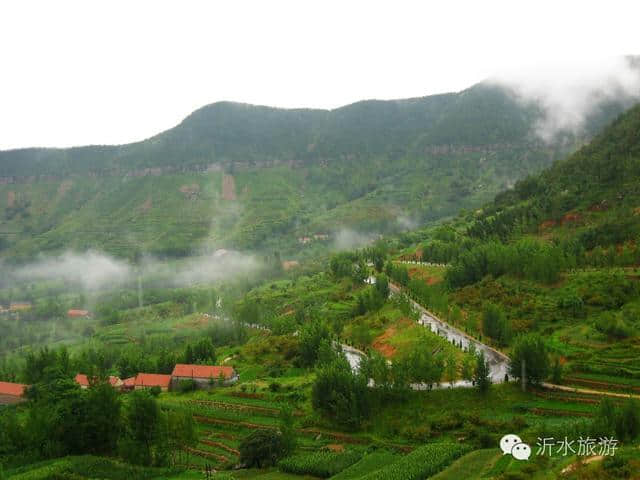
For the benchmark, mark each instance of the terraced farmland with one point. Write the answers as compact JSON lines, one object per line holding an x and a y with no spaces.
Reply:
{"x":225,"y":419}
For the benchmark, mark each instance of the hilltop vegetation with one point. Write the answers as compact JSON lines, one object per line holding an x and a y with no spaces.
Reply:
{"x":240,"y":176}
{"x":557,"y":255}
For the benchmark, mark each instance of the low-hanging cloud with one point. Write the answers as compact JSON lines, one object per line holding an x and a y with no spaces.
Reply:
{"x":346,"y":239}
{"x":221,"y":265}
{"x":571,"y":90}
{"x":90,"y":269}
{"x":95,"y":270}
{"x":407,"y":223}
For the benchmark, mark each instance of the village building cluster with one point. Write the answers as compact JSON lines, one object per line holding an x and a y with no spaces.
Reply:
{"x":203,"y":377}
{"x":315,"y":237}
{"x":17,"y":307}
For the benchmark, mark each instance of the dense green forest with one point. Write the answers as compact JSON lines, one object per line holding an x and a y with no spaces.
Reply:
{"x":241,"y":176}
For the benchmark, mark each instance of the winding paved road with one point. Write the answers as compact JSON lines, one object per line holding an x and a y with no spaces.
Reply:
{"x":498,"y":361}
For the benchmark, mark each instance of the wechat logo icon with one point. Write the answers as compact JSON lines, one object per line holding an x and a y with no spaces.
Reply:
{"x":513,"y":445}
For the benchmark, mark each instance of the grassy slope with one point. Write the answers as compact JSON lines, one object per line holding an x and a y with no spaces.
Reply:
{"x":473,"y":465}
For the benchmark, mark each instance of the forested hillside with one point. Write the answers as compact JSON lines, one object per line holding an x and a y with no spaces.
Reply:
{"x":556,"y":255}
{"x":243,"y":176}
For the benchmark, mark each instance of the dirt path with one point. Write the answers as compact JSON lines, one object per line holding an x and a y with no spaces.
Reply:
{"x":575,"y":465}
{"x":587,"y":391}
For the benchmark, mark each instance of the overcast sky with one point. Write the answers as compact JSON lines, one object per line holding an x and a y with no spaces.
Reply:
{"x":89,"y":72}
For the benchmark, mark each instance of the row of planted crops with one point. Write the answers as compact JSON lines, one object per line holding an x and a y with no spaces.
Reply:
{"x":378,"y":464}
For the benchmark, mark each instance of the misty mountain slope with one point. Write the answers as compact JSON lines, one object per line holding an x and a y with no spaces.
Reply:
{"x":227,"y":132}
{"x":598,"y":187}
{"x":243,"y":176}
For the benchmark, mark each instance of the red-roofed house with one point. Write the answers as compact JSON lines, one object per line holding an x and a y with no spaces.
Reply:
{"x":203,"y":375}
{"x":128,"y":384}
{"x":84,"y":381}
{"x":148,"y":380}
{"x":11,"y":393}
{"x":78,"y":313}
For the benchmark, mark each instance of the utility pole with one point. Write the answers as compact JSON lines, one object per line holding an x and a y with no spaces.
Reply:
{"x":523,"y":375}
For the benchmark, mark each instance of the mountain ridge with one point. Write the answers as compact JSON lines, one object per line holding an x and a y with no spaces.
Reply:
{"x":371,"y":167}
{"x":216,"y":133}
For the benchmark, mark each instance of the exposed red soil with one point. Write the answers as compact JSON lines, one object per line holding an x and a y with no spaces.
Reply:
{"x":380,"y":342}
{"x":420,"y":273}
{"x":190,"y":191}
{"x":547,"y":224}
{"x":571,"y":218}
{"x":146,"y":206}
{"x":335,"y":447}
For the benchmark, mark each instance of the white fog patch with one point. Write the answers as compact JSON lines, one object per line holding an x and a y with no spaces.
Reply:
{"x":220,"y":265}
{"x":570,"y":90}
{"x":95,"y":270}
{"x":91,"y":269}
{"x":407,"y":223}
{"x":346,"y":239}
